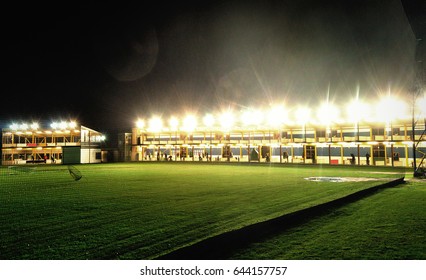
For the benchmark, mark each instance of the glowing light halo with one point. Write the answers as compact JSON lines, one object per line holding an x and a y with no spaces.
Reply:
{"x":356,"y":111}
{"x":390,"y":108}
{"x":189,"y":123}
{"x":140,"y":123}
{"x":209,"y":120}
{"x":421,"y":106}
{"x":34,"y":126}
{"x":327,"y":113}
{"x":65,"y":126}
{"x":173,"y":123}
{"x":227,"y":120}
{"x":251,"y":117}
{"x":155,"y":124}
{"x":302,"y":115}
{"x":277,"y":115}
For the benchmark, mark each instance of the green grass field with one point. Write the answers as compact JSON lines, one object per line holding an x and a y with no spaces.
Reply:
{"x":390,"y":225}
{"x":144,"y":210}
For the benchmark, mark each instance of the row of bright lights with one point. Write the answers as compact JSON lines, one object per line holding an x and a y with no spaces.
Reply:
{"x":35,"y":126}
{"x":387,"y":110}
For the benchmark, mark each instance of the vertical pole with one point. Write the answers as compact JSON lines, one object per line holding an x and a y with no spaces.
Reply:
{"x":359,"y":156}
{"x":259,"y":148}
{"x":89,"y":146}
{"x":406,"y":155}
{"x":248,"y":145}
{"x":414,"y":139}
{"x":386,"y":154}
{"x":304,"y":152}
{"x":142,"y":154}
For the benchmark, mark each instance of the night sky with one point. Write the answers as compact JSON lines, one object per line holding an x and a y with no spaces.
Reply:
{"x":107,"y":64}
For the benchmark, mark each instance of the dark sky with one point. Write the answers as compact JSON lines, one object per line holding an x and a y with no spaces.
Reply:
{"x":107,"y":64}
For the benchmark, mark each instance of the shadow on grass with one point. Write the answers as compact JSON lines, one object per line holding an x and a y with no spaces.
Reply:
{"x":224,"y":245}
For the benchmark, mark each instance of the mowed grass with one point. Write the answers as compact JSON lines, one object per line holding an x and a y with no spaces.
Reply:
{"x":144,"y":210}
{"x":390,"y":225}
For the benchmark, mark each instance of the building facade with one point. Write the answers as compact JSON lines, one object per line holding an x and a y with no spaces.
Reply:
{"x":57,"y":143}
{"x":391,"y":144}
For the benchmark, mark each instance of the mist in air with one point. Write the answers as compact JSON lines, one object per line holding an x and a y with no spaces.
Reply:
{"x":230,"y":55}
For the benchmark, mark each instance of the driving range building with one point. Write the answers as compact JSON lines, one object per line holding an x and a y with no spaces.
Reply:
{"x":57,"y":143}
{"x":388,"y":143}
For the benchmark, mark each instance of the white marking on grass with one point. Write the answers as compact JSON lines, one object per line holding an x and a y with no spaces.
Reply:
{"x":340,"y":179}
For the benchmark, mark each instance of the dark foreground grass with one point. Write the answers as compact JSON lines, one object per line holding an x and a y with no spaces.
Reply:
{"x":390,"y":225}
{"x":141,"y":211}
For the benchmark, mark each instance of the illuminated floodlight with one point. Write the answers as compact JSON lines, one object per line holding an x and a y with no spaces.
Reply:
{"x":250,"y":117}
{"x":155,"y":124}
{"x":140,"y":123}
{"x":23,"y":126}
{"x":246,"y":118}
{"x":208,"y":120}
{"x":227,"y":120}
{"x":14,"y":126}
{"x":189,"y":123}
{"x":390,"y":108}
{"x":173,"y":123}
{"x":258,"y":117}
{"x":357,"y":111}
{"x":72,"y":124}
{"x":63,"y":125}
{"x":54,"y":125}
{"x":277,"y":116}
{"x":303,"y":115}
{"x":328,"y":113}
{"x":34,"y":126}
